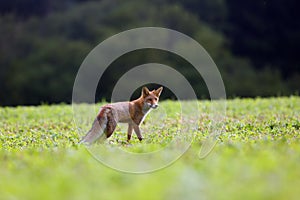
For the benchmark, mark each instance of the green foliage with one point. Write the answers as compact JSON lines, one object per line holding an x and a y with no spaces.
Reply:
{"x":256,"y":157}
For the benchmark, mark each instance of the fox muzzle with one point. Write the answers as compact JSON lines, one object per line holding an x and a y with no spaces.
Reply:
{"x":154,"y":106}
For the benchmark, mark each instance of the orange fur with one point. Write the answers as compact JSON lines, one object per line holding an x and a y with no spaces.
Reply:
{"x":132,"y":112}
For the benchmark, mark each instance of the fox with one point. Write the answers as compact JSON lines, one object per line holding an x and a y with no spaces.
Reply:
{"x":131,"y":112}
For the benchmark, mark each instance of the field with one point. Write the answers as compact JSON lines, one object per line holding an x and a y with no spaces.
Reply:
{"x":257,"y":155}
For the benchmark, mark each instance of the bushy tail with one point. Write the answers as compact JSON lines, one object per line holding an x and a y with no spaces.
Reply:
{"x":96,"y":132}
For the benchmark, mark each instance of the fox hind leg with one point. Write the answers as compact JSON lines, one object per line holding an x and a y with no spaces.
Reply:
{"x":111,"y":124}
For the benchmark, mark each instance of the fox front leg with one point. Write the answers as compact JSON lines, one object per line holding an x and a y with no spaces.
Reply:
{"x":138,"y":132}
{"x":129,"y":131}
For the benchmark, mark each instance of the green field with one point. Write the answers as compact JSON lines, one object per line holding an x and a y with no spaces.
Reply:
{"x":257,"y":157}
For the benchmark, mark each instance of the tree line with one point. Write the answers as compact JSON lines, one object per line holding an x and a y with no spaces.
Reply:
{"x":43,"y":42}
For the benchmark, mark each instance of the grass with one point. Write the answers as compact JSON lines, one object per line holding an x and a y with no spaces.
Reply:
{"x":257,"y":157}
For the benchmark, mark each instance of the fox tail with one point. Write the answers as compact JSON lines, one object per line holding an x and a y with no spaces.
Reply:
{"x":102,"y":128}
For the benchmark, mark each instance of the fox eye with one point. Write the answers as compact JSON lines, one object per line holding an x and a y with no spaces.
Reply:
{"x":155,"y":99}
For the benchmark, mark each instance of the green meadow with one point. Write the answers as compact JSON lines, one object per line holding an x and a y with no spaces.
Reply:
{"x":257,"y":155}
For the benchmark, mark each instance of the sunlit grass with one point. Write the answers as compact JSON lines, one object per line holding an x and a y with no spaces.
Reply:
{"x":256,"y":157}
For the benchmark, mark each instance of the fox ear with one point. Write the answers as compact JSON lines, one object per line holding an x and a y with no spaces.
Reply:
{"x":145,"y":91}
{"x":158,"y":91}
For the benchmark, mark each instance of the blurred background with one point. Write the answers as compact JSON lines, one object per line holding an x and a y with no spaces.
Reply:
{"x":255,"y":44}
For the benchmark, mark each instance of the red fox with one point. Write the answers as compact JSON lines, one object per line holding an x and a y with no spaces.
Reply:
{"x":133,"y":113}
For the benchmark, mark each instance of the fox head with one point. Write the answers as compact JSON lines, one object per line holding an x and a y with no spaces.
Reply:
{"x":151,"y":98}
